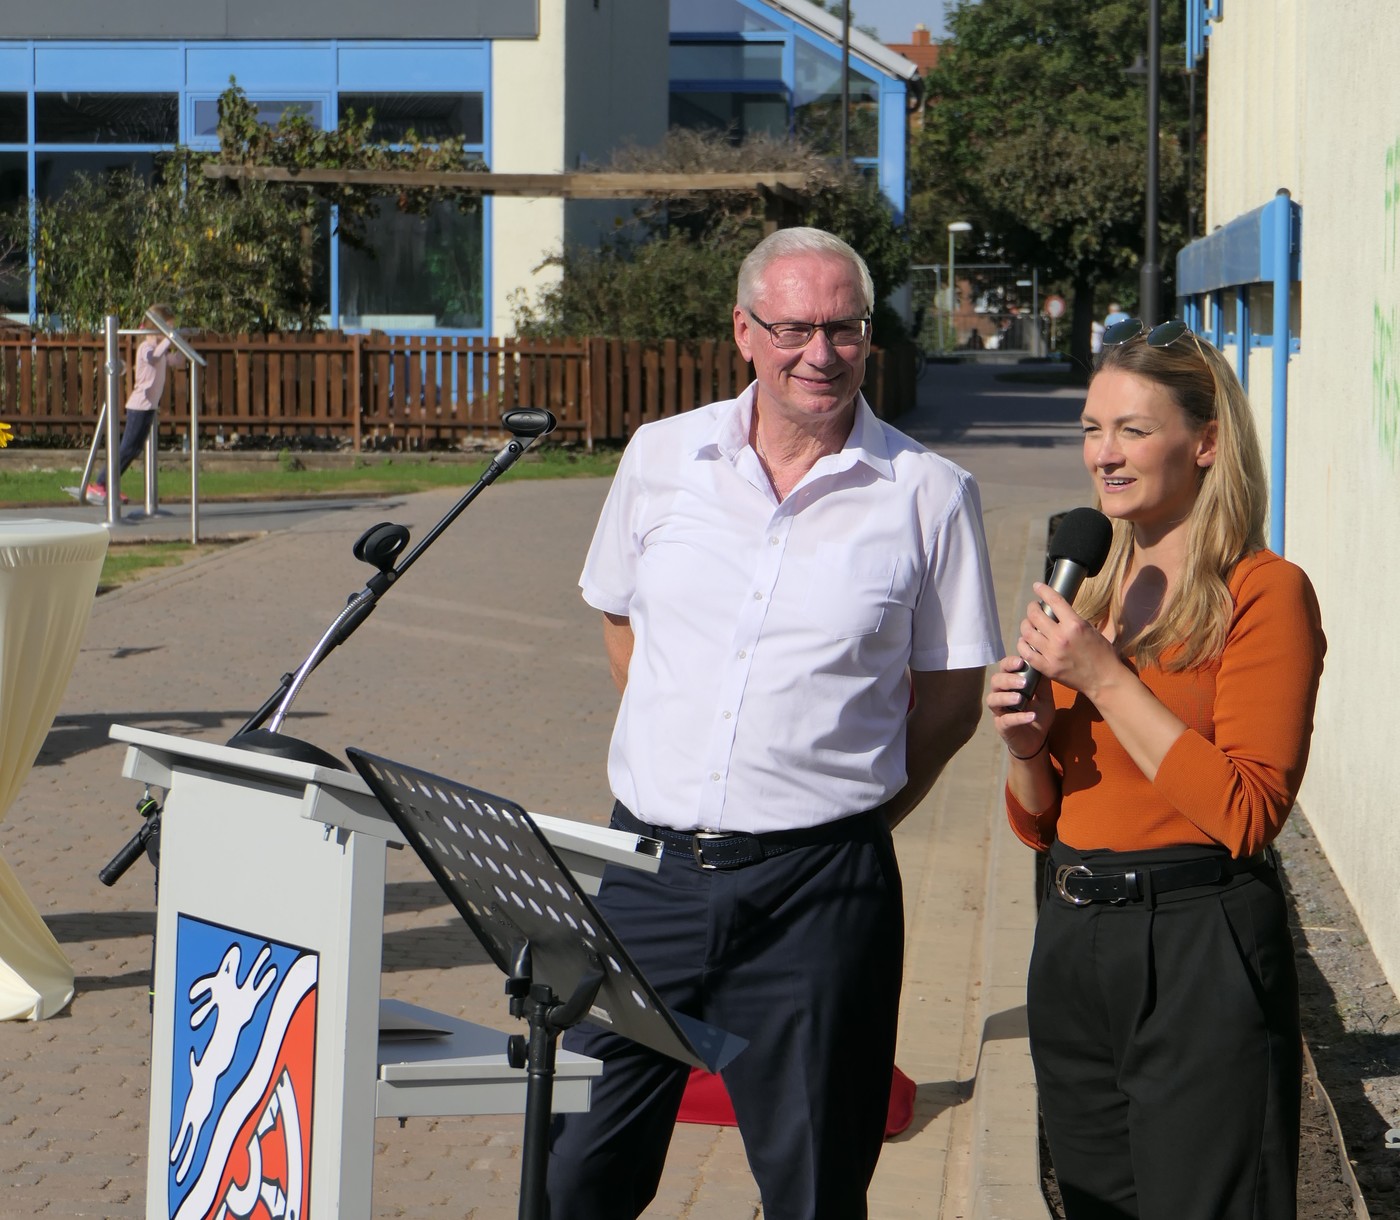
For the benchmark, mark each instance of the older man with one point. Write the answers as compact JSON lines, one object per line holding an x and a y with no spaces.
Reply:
{"x":777,"y":574}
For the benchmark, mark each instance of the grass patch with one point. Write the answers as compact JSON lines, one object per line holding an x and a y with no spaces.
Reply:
{"x":369,"y":476}
{"x":129,"y":561}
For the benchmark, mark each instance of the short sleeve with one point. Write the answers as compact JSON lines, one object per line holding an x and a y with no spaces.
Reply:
{"x":955,"y":622}
{"x":609,"y":572}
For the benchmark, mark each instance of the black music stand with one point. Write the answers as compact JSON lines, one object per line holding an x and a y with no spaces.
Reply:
{"x":562,"y":962}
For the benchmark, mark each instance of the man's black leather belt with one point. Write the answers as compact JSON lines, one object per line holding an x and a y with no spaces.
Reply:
{"x":1081,"y":885}
{"x":721,"y":849}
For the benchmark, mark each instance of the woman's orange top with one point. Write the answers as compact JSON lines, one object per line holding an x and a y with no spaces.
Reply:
{"x":1231,"y":778}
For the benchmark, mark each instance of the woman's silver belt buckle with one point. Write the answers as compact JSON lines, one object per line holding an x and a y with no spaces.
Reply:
{"x":1066,"y":871}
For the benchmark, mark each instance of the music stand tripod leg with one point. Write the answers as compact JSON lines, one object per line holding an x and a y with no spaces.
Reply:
{"x":547,"y":1018}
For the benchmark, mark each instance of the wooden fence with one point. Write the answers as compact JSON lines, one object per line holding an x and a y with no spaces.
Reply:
{"x":367,"y":391}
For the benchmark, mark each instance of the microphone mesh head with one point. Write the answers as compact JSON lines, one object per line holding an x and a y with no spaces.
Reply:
{"x":1083,"y":537}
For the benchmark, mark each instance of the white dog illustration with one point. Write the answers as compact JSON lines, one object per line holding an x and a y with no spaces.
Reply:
{"x":234,"y":1004}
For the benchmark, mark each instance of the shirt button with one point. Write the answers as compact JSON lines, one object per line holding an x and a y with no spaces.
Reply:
{"x":714,"y":775}
{"x":758,"y":597}
{"x":772,"y":542}
{"x":742,"y":654}
{"x":728,"y":715}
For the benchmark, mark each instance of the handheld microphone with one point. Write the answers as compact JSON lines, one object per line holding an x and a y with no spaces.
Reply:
{"x":1077,"y":551}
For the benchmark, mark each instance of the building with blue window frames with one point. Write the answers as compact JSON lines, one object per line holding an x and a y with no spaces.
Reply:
{"x":535,"y":88}
{"x":775,"y":66}
{"x":1298,"y":281}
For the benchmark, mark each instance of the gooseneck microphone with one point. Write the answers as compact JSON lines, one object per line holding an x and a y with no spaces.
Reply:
{"x":1077,"y":551}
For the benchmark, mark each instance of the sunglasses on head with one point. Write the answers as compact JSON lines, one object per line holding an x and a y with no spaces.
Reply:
{"x":1159,"y":336}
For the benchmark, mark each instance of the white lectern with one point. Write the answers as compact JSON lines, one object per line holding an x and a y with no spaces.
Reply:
{"x":268,"y":1067}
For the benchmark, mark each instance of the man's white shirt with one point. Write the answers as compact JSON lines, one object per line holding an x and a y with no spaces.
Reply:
{"x":768,"y":684}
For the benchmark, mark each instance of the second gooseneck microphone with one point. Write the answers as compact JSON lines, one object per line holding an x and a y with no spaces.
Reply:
{"x":1077,"y":551}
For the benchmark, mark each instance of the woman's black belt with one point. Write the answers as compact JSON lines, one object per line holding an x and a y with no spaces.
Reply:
{"x":1081,"y":885}
{"x":718,"y":849}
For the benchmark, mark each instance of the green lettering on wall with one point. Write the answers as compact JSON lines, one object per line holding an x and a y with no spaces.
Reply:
{"x":1385,"y":319}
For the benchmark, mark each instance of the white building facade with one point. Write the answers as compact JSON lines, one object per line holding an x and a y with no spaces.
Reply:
{"x":1304,"y":291}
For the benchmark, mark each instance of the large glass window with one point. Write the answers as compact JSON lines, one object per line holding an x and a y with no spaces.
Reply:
{"x":54,"y":172}
{"x":106,"y":118}
{"x":424,"y":272}
{"x":726,"y":61}
{"x":817,"y":105}
{"x":14,"y":118}
{"x":432,"y":116}
{"x":14,"y":265}
{"x":740,"y":114}
{"x":270,"y":111}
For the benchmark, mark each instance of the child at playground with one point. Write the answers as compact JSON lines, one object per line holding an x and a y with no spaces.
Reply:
{"x":154,"y":356}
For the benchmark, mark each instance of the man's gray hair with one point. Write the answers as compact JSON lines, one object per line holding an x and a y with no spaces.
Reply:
{"x":787,"y":242}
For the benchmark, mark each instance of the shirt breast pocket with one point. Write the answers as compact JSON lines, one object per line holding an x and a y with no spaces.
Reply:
{"x":848,"y":590}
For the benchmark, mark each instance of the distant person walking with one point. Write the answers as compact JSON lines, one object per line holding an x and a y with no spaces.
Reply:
{"x":154,"y":356}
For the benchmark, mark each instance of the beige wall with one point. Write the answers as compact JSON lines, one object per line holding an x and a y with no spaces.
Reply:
{"x":1306,"y":96}
{"x":594,"y":79}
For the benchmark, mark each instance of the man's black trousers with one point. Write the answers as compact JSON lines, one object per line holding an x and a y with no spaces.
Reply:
{"x":801,"y":954}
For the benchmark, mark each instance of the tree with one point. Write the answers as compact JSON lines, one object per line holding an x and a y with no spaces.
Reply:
{"x":670,"y":273}
{"x":1035,"y":129}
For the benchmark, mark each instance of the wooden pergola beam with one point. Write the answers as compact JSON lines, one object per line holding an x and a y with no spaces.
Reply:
{"x":786,"y":186}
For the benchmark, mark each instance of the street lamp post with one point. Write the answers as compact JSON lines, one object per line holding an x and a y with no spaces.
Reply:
{"x":1150,"y":282}
{"x":846,"y":83}
{"x":954,"y":228}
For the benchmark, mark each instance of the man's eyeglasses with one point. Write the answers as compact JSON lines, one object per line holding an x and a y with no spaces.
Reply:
{"x":1159,"y":336}
{"x":844,"y":332}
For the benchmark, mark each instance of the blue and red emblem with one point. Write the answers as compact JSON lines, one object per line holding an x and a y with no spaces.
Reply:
{"x":244,"y":1053}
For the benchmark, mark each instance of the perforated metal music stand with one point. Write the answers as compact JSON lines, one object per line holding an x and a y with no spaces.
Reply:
{"x":561,"y":961}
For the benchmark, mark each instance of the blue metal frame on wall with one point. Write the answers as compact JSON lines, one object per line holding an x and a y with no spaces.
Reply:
{"x":1264,"y":248}
{"x":1199,"y":14}
{"x":196,"y":70}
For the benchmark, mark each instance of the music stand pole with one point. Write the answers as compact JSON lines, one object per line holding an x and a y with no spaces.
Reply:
{"x":547,"y":1019}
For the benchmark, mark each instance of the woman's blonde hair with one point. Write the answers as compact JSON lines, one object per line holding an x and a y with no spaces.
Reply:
{"x":1226,"y":522}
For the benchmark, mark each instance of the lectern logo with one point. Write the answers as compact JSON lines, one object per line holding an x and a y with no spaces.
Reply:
{"x":244,"y":1050}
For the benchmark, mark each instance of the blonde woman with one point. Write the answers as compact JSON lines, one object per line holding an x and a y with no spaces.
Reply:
{"x":1156,"y":769}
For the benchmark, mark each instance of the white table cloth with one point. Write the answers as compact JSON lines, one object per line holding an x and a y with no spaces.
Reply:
{"x":48,"y":579}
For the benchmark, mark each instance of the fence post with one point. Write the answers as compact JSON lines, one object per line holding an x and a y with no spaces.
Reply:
{"x":357,"y":381}
{"x":114,"y":392}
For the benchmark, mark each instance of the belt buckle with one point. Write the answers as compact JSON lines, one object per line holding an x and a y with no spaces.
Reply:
{"x":703,"y":836}
{"x":1062,"y":874}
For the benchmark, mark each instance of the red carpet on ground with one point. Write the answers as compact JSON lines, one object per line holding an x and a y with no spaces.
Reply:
{"x":706,"y":1101}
